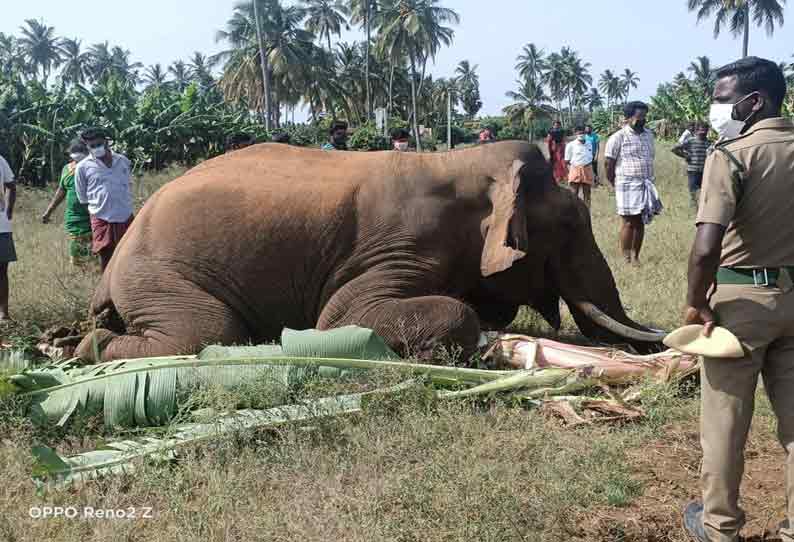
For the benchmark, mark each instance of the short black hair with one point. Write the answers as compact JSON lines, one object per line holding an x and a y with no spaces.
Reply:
{"x":400,"y":133}
{"x":337,"y":125}
{"x":76,"y":146}
{"x":579,"y":128}
{"x":94,"y":132}
{"x":633,"y":107}
{"x":754,"y":74}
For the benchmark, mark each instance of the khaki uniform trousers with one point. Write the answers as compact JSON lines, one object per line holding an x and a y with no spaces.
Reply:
{"x":763,"y":319}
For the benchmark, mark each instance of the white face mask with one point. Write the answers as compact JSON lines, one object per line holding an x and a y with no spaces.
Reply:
{"x":77,"y":156}
{"x":402,"y":146}
{"x":721,"y":119}
{"x":582,"y":138}
{"x":98,"y":152}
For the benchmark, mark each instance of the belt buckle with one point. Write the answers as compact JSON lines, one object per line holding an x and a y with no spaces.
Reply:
{"x":757,"y":273}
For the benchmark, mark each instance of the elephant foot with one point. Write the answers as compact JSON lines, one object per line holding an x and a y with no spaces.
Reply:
{"x":93,"y":345}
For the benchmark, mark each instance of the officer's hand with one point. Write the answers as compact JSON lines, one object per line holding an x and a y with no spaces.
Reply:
{"x":703,"y":316}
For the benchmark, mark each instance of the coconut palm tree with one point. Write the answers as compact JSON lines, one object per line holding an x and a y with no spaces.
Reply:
{"x":155,"y":77}
{"x":467,"y":84}
{"x":737,"y":14}
{"x":702,"y":74}
{"x":181,"y":75}
{"x":325,"y":17}
{"x":556,"y":77}
{"x":40,"y":46}
{"x":530,"y":102}
{"x":577,"y":79}
{"x":531,"y":63}
{"x":416,"y":29}
{"x":594,"y":100}
{"x":123,"y":68}
{"x":100,"y":61}
{"x":76,"y":63}
{"x":629,"y":80}
{"x":610,"y":84}
{"x":200,"y":69}
{"x":363,"y":13}
{"x":288,"y":54}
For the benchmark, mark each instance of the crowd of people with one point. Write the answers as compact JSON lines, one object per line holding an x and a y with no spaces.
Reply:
{"x":629,"y":153}
{"x":741,"y":266}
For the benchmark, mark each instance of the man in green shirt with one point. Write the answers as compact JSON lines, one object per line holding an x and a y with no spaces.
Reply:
{"x":77,"y":221}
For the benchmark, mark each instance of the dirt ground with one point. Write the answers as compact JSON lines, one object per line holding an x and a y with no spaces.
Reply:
{"x":668,"y":470}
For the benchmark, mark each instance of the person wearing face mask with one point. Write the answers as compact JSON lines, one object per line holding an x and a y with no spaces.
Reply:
{"x":630,"y":154}
{"x":740,"y":277}
{"x":77,"y":220}
{"x":103,"y":182}
{"x":556,"y":144}
{"x":579,"y":158}
{"x":695,"y":150}
{"x":338,"y":137}
{"x":400,"y":140}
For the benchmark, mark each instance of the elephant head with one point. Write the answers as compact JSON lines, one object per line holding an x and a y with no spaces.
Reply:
{"x":539,"y":248}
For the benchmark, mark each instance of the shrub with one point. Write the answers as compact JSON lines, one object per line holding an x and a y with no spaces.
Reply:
{"x":368,"y":138}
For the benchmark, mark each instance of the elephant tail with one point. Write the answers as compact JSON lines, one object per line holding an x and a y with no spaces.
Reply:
{"x":103,"y":311}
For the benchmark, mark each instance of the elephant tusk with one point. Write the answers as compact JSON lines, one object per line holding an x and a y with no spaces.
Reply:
{"x":599,"y":317}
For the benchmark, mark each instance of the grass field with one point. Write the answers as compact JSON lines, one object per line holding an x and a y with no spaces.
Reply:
{"x":413,"y":470}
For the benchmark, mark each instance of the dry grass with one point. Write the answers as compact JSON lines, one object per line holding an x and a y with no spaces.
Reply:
{"x":407,"y":470}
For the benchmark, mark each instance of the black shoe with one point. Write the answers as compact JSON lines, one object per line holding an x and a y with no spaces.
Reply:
{"x":693,"y":522}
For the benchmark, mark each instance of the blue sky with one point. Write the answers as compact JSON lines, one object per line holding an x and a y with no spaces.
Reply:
{"x":657,"y":39}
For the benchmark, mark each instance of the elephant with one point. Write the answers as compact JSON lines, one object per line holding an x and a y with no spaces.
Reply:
{"x":426,"y":249}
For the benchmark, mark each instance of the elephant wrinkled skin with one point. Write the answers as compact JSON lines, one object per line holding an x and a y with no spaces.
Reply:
{"x":426,"y":249}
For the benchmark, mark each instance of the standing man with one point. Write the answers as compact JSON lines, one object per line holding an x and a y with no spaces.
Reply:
{"x":338,"y":137}
{"x":595,"y":146}
{"x":743,"y":255}
{"x":630,"y":153}
{"x":694,"y":151}
{"x":103,"y":182}
{"x":8,"y":252}
{"x":579,"y":159}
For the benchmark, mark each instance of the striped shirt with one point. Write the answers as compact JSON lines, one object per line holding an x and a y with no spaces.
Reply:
{"x":697,"y":150}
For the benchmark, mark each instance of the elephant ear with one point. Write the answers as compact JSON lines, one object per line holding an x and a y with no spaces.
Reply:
{"x":507,"y":237}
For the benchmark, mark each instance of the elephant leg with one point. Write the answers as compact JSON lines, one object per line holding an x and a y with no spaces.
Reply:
{"x":413,"y":326}
{"x":182,"y":323}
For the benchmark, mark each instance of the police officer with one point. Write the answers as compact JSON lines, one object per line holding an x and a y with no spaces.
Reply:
{"x":740,"y":273}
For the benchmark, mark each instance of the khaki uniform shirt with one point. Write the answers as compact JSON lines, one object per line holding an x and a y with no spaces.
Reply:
{"x":760,"y":226}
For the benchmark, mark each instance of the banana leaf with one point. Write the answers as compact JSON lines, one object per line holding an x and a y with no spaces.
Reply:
{"x":146,"y":392}
{"x":118,"y":456}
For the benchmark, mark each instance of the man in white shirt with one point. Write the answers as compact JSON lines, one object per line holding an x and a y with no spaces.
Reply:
{"x":102,"y":181}
{"x":579,"y":158}
{"x":7,"y":251}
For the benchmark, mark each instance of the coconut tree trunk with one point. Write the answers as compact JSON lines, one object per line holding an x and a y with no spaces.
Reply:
{"x":328,"y":35}
{"x":413,"y":105}
{"x":391,"y":88}
{"x":366,"y":65}
{"x":746,"y":41}
{"x":263,"y":65}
